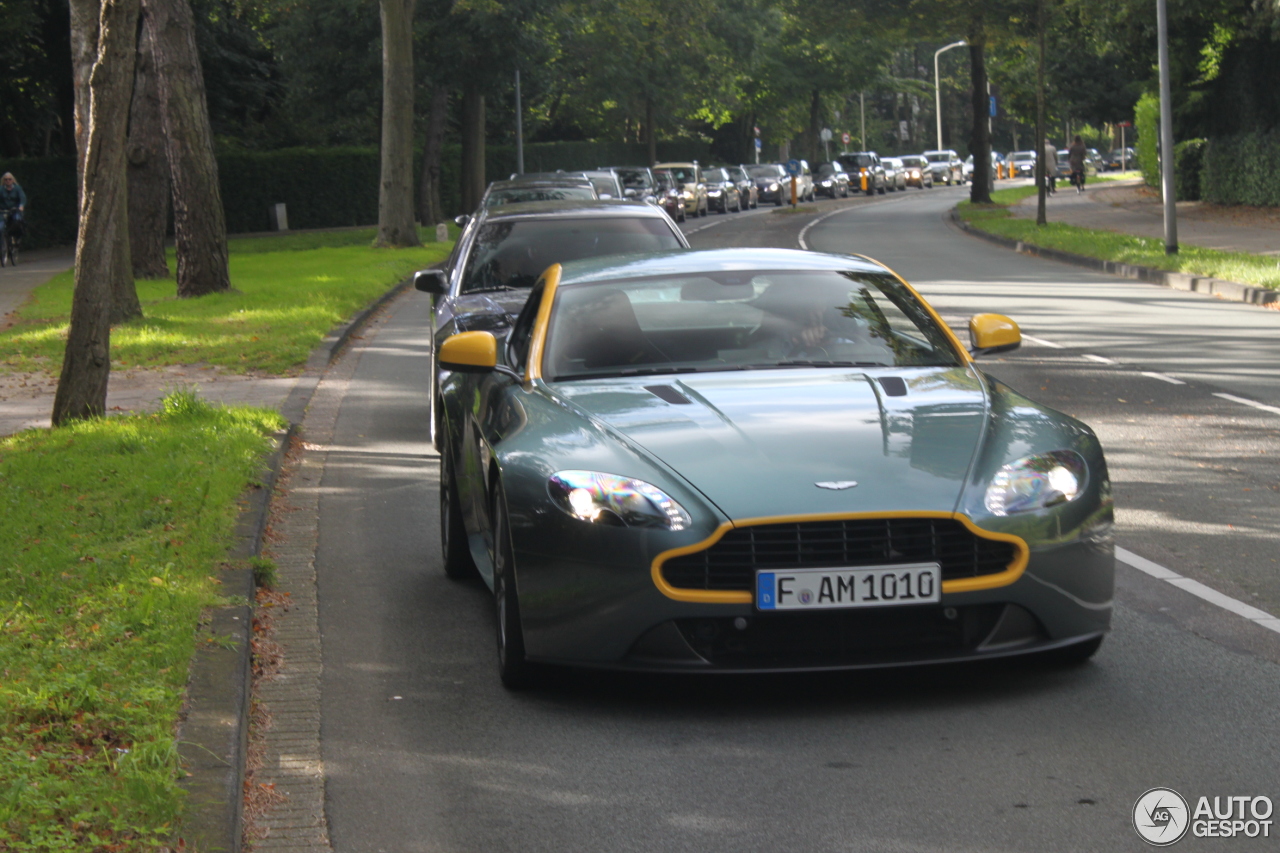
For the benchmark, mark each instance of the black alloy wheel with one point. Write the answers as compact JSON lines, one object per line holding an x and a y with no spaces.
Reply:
{"x":453,"y":533}
{"x":514,"y":670}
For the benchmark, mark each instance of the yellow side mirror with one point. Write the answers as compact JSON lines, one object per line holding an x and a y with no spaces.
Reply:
{"x":990,"y":333}
{"x":469,"y":352}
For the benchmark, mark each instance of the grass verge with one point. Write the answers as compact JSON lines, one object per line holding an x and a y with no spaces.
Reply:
{"x":1256,"y":270}
{"x":288,"y":292}
{"x":110,"y":535}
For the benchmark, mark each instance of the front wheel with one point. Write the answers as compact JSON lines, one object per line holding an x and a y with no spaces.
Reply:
{"x":515,"y":671}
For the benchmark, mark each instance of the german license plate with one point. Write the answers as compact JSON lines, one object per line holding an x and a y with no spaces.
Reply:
{"x":826,"y":589}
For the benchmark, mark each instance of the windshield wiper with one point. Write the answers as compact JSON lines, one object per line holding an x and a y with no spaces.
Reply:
{"x":497,"y":288}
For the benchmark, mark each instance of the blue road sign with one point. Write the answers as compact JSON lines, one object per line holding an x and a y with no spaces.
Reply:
{"x":759,"y":143}
{"x":993,"y":105}
{"x":793,"y":166}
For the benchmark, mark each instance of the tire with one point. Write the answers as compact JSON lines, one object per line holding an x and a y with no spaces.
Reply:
{"x":514,"y":670}
{"x":779,"y":204}
{"x":453,"y":533}
{"x":882,"y":190}
{"x":1076,"y":654}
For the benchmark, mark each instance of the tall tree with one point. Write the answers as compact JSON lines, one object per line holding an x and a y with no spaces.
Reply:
{"x":199,"y":222}
{"x":148,"y":167}
{"x":980,"y":138}
{"x":395,"y":191}
{"x":85,"y":48}
{"x":86,"y":363}
{"x":430,"y":210}
{"x":473,"y":139}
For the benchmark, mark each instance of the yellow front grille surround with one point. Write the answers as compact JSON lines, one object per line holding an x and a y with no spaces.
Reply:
{"x":709,"y":596}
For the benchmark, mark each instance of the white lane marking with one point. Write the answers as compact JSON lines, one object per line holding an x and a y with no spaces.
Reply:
{"x":1164,"y":378}
{"x":805,"y":230}
{"x":1199,"y":590}
{"x":1042,"y":342}
{"x":1247,"y":402}
{"x":1098,"y":358}
{"x":705,"y":227}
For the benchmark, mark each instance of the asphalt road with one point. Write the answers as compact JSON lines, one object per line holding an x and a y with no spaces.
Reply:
{"x":424,"y":751}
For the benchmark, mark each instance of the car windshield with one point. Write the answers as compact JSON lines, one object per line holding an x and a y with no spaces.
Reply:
{"x":634,"y":179}
{"x":740,"y":320}
{"x":736,"y":174}
{"x":858,"y":160}
{"x":519,"y":195}
{"x":764,"y":171}
{"x":684,"y":175}
{"x":511,"y":254}
{"x":665,"y":180}
{"x":713,"y":176}
{"x":938,"y":157}
{"x":1018,"y":156}
{"x":913,"y":161}
{"x":605,"y":185}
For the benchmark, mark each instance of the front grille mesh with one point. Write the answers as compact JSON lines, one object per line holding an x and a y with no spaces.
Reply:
{"x":731,"y":563}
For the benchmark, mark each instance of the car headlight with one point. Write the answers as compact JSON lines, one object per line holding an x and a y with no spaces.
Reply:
{"x":1036,"y":482}
{"x":772,"y":187}
{"x":713,"y":192}
{"x":619,"y":501}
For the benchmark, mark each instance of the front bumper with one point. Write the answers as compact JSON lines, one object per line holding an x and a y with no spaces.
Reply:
{"x":609,"y":614}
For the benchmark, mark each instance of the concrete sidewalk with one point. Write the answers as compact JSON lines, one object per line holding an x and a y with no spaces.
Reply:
{"x":1129,"y":207}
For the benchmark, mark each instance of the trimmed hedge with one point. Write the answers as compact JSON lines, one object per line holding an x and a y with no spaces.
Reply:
{"x":1146,"y":120}
{"x":322,"y":187}
{"x":1188,"y":160}
{"x":1241,"y":169}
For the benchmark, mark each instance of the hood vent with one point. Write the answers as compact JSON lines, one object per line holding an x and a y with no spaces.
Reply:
{"x":893,"y":386}
{"x":671,"y":395}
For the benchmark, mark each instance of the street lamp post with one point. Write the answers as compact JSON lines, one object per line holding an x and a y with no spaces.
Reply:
{"x":1166,"y":132}
{"x":937,"y":86}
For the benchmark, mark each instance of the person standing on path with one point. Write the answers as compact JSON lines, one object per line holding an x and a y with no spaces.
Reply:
{"x":1075,"y":156}
{"x":1050,"y":155}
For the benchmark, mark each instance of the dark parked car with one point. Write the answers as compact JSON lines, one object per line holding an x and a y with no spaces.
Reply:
{"x":1119,"y":158}
{"x":522,"y":190}
{"x":946,"y":167}
{"x":772,"y":181}
{"x":866,"y":172}
{"x":916,"y":171}
{"x":667,"y":194}
{"x":502,"y":251}
{"x":722,"y":192}
{"x":831,"y":180}
{"x":748,"y":195}
{"x":637,"y":181}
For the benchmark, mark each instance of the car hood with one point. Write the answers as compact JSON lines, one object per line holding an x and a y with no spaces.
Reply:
{"x":757,"y":443}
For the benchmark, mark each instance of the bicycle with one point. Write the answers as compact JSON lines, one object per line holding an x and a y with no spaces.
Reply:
{"x":10,"y":238}
{"x":1077,"y":180}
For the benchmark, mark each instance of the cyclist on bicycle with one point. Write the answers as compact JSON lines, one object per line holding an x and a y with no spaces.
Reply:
{"x":13,"y":201}
{"x":1075,"y":157}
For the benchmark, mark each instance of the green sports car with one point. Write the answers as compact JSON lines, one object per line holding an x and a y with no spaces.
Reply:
{"x":763,"y":460}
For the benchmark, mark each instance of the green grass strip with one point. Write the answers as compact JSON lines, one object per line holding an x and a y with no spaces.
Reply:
{"x":1257,"y":270}
{"x":111,"y":532}
{"x":288,"y":292}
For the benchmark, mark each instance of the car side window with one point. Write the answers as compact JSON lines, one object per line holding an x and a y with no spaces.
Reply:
{"x":522,"y":333}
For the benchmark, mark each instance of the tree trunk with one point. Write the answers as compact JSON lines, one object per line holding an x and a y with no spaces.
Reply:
{"x":430,"y":210}
{"x":148,"y":169}
{"x":86,"y":362}
{"x":1041,"y":166}
{"x":650,"y":132}
{"x":473,"y":182}
{"x":84,"y":53}
{"x":199,"y":223}
{"x":395,"y":188}
{"x":980,"y":139}
{"x":815,"y":127}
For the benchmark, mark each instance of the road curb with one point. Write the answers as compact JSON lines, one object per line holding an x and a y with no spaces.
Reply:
{"x":213,"y":728}
{"x":1230,"y":290}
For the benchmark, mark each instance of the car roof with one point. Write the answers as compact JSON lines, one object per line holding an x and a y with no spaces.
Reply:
{"x":574,"y":207}
{"x":525,"y":183}
{"x":689,"y":261}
